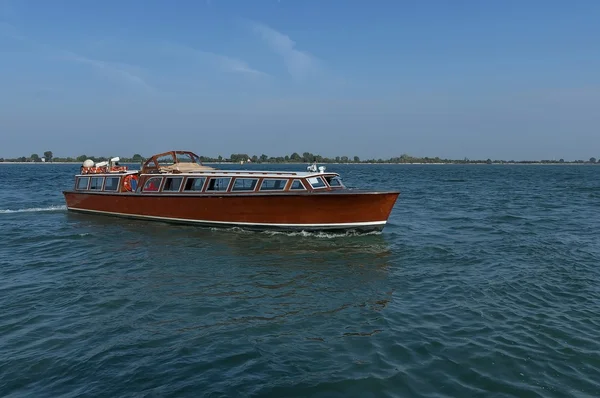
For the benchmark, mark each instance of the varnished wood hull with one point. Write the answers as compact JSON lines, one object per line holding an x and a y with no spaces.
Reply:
{"x":341,"y":210}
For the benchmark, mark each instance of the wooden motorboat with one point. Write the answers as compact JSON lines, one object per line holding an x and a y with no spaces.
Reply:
{"x":176,"y":187}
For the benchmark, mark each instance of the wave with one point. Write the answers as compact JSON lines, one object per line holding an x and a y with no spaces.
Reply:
{"x":34,"y":209}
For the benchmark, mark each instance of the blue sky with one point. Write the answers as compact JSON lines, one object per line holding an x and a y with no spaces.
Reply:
{"x":507,"y":79}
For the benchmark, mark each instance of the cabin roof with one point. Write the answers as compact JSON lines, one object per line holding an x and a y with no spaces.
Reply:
{"x":253,"y":173}
{"x":232,"y":173}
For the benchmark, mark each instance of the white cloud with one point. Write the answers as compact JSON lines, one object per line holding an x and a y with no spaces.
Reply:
{"x":220,"y":61}
{"x":9,"y":30}
{"x":123,"y":72}
{"x":300,"y":64}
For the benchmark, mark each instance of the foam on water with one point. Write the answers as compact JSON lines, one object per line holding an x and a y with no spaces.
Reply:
{"x":322,"y":234}
{"x":34,"y":209}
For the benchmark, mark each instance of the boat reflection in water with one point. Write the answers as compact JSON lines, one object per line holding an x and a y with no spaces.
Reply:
{"x":308,"y":286}
{"x":155,"y":242}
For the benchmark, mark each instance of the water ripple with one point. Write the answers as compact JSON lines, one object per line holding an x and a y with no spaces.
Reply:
{"x":482,"y":284}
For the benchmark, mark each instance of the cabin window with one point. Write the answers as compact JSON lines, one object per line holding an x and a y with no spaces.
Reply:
{"x":96,"y":183}
{"x":194,"y":184}
{"x":244,"y":184}
{"x":152,"y":184}
{"x":297,"y":185}
{"x":112,"y":184}
{"x":172,"y":184}
{"x":273,"y":185}
{"x":218,"y":184}
{"x":334,"y":181}
{"x":317,"y":182}
{"x":82,"y":183}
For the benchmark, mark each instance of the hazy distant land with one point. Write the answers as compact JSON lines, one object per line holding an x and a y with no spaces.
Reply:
{"x":306,"y":157}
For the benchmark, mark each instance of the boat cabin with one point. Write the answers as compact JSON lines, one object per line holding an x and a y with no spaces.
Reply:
{"x":182,"y":172}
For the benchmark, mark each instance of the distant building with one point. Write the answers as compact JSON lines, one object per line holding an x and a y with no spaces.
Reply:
{"x":43,"y":159}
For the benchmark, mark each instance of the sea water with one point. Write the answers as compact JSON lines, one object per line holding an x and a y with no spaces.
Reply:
{"x":485,"y":282}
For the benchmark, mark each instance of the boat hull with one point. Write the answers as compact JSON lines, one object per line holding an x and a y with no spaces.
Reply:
{"x":332,"y":211}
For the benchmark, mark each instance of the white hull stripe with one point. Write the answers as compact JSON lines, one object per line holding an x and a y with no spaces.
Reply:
{"x":350,"y":224}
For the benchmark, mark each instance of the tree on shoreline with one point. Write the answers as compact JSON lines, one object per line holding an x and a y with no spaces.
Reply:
{"x":308,"y":158}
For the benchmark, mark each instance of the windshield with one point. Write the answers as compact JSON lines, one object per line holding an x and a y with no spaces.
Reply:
{"x":165,"y":159}
{"x":334,"y":182}
{"x":187,"y":158}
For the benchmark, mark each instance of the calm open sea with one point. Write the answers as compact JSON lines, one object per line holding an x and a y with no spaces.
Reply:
{"x":486,"y":282}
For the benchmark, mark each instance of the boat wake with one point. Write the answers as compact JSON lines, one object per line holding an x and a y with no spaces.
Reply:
{"x":321,"y":234}
{"x":306,"y":234}
{"x":34,"y":209}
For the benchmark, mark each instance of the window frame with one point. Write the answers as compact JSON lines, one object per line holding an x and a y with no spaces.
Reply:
{"x":101,"y":188}
{"x":319,"y":178}
{"x":111,"y":190}
{"x":143,"y":188}
{"x":87,"y":185}
{"x":302,"y":186}
{"x":164,"y":184}
{"x":260,"y":189}
{"x":206,"y":188}
{"x":338,"y":179}
{"x":256,"y":179}
{"x":194,"y":178}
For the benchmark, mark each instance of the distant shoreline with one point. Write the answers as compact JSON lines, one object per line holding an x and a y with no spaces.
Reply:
{"x":525,"y":163}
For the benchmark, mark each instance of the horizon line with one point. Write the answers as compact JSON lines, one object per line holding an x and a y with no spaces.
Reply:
{"x":305,"y":157}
